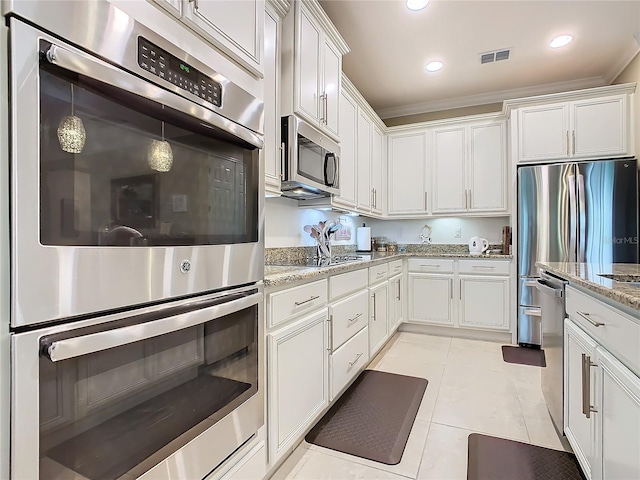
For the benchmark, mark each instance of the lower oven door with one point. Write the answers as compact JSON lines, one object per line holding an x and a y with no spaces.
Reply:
{"x":164,"y":392}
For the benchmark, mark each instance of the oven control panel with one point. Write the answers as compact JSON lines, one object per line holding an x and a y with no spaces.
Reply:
{"x":161,"y":63}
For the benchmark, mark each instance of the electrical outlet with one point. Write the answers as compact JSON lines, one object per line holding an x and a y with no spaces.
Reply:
{"x":458,"y":233}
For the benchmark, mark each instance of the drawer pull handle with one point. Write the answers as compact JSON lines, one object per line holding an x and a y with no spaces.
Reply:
{"x":430,"y":266}
{"x":380,"y":274}
{"x":315,"y":297}
{"x":354,"y":318}
{"x":590,"y":320}
{"x":351,"y":364}
{"x":397,"y":267}
{"x":491,"y":267}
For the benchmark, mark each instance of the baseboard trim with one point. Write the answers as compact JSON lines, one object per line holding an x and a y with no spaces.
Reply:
{"x":502,"y":337}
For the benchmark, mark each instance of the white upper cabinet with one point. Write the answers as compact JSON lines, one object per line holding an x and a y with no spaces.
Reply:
{"x":449,"y":161}
{"x":470,"y":168}
{"x":272,"y":151}
{"x":311,"y":66}
{"x":235,"y":27}
{"x":347,"y":165}
{"x":407,"y":166}
{"x":174,"y":7}
{"x":363,"y":154}
{"x":594,"y":126}
{"x":377,"y":141}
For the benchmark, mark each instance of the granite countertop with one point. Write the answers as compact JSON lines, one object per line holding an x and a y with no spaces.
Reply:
{"x":586,"y":276}
{"x":278,"y":275}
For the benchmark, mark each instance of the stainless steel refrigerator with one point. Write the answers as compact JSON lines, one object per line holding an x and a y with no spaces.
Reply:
{"x":572,"y":212}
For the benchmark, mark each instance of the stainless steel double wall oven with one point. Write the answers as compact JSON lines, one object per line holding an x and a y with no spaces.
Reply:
{"x":137,"y":250}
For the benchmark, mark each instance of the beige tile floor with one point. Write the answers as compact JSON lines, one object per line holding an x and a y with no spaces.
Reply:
{"x":471,"y":389}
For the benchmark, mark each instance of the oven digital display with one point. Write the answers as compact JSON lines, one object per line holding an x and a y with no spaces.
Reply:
{"x":169,"y":67}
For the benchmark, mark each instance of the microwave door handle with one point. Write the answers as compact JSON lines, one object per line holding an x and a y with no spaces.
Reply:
{"x":58,"y":350}
{"x":105,"y":73}
{"x":335,"y":169}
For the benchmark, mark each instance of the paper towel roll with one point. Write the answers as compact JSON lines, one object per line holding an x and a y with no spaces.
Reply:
{"x":363,"y":236}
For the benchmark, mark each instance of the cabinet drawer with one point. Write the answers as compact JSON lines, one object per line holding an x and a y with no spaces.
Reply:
{"x":348,"y":317}
{"x":395,"y":267}
{"x":484,"y":267}
{"x":289,"y":303}
{"x":430,"y":265}
{"x":348,"y":360}
{"x":617,"y":332}
{"x":378,"y":273}
{"x":346,"y":283}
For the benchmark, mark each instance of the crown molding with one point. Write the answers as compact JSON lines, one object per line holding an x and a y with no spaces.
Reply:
{"x":491,"y":97}
{"x":280,"y":7}
{"x":622,"y":88}
{"x":327,"y":26}
{"x":629,"y":54}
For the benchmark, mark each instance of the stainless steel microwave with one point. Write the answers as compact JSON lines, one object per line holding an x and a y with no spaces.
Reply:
{"x":311,"y":161}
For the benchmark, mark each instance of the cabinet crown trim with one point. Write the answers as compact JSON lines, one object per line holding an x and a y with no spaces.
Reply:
{"x":280,"y":7}
{"x":454,"y":121}
{"x":325,"y":22}
{"x":621,"y":89}
{"x":349,"y":88}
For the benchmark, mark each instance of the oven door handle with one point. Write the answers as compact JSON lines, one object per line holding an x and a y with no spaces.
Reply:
{"x":85,"y":344}
{"x":105,"y":73}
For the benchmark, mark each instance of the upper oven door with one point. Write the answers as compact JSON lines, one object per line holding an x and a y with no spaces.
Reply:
{"x":123,"y":192}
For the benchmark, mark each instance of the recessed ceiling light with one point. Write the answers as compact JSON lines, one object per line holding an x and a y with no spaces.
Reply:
{"x":416,"y":4}
{"x":560,"y":41}
{"x":433,"y":66}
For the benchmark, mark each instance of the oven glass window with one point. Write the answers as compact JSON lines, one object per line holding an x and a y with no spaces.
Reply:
{"x":117,"y":169}
{"x":115,"y":412}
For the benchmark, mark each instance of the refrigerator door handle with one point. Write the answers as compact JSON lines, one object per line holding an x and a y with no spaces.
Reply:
{"x":582,"y":220}
{"x":573,"y":221}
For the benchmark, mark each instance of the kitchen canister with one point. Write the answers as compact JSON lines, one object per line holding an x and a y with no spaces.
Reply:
{"x":363,"y":238}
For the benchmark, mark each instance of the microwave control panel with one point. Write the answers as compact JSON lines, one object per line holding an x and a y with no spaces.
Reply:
{"x":168,"y":67}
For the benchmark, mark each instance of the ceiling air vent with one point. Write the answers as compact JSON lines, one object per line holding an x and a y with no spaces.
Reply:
{"x":495,"y":56}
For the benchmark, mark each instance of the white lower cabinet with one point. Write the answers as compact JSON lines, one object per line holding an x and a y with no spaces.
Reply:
{"x":602,"y":394}
{"x":297,"y":380}
{"x":348,"y":360}
{"x":484,"y":302}
{"x":578,"y":346}
{"x":396,"y":301}
{"x":465,"y":293}
{"x":431,"y":298}
{"x":378,"y":317}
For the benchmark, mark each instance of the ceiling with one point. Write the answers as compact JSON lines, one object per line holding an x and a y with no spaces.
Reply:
{"x":390,"y":45}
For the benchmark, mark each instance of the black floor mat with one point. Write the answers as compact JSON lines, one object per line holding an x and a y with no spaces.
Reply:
{"x":373,"y":418}
{"x":523,"y":355}
{"x":492,"y":458}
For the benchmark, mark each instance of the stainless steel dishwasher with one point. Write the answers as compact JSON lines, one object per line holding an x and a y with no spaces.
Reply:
{"x":551,"y":293}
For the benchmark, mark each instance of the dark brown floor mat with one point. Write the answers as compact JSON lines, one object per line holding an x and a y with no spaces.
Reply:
{"x":492,"y":458}
{"x":373,"y":418}
{"x":523,"y":355}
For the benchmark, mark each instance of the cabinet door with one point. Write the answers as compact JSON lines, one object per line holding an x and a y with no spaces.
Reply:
{"x":363,"y":152}
{"x":331,"y":88}
{"x":376,"y":170}
{"x":271,"y":102}
{"x":449,"y":153}
{"x":235,"y":27}
{"x":174,"y":7}
{"x":599,"y":127}
{"x":577,"y":427}
{"x":407,"y":160}
{"x":348,"y":128}
{"x":309,"y":67}
{"x":488,"y":168}
{"x":378,"y":317}
{"x":617,"y":420}
{"x":484,"y":302}
{"x":431,"y":299}
{"x":543,"y":132}
{"x":396,"y":296}
{"x":298,"y":380}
